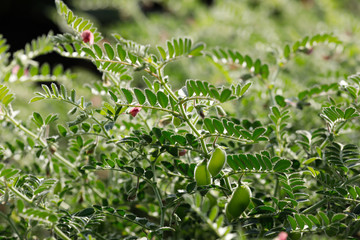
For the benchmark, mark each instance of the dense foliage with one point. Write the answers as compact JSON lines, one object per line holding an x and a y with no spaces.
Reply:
{"x":178,"y":139}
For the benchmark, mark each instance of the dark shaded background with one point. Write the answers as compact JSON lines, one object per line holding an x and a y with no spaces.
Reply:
{"x":24,"y":20}
{"x":21,"y":21}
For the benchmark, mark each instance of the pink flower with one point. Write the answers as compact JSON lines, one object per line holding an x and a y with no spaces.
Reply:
{"x":182,"y":152}
{"x":88,"y":37}
{"x":282,"y":236}
{"x":134,"y":111}
{"x":15,"y":69}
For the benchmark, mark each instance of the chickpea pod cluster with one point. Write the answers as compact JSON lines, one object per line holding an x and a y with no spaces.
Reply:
{"x":240,"y":198}
{"x":213,"y":167}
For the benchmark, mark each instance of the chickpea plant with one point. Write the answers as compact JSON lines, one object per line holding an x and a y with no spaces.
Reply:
{"x":165,"y":163}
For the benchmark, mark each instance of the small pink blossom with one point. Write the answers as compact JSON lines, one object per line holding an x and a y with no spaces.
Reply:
{"x":88,"y":37}
{"x":134,"y":111}
{"x":15,"y":69}
{"x":282,"y":236}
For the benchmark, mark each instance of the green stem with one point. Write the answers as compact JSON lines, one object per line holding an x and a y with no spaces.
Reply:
{"x":227,"y":183}
{"x":12,"y":224}
{"x":243,"y":141}
{"x":101,"y":126}
{"x":165,"y":85}
{"x":148,"y":107}
{"x":353,"y":179}
{"x":315,"y":206}
{"x":114,"y":81}
{"x":276,"y":188}
{"x":222,"y":70}
{"x":67,"y":163}
{"x":157,"y":194}
{"x":42,"y":143}
{"x":187,"y":120}
{"x":173,"y":212}
{"x":347,"y":199}
{"x":272,"y":82}
{"x":127,"y":64}
{"x":168,"y":61}
{"x":198,"y":98}
{"x":85,"y":134}
{"x":128,"y":219}
{"x":278,"y":137}
{"x":208,"y":222}
{"x":27,"y":131}
{"x":19,"y":194}
{"x":183,"y":112}
{"x":336,"y":131}
{"x":248,"y":172}
{"x":181,"y":147}
{"x":323,"y":145}
{"x":61,"y":234}
{"x":145,"y":122}
{"x":98,"y":236}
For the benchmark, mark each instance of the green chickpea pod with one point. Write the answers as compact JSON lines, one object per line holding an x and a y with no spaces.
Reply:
{"x":217,"y":161}
{"x":202,"y":175}
{"x":238,"y":203}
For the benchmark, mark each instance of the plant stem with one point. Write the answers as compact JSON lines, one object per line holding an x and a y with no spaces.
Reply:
{"x":352,"y":179}
{"x":276,"y":188}
{"x":183,"y":112}
{"x":157,"y":194}
{"x":278,"y":137}
{"x":101,"y":126}
{"x":19,"y":194}
{"x":27,"y":131}
{"x":42,"y":143}
{"x":323,"y":145}
{"x":187,"y":120}
{"x":243,"y":141}
{"x":148,"y":107}
{"x":227,"y":183}
{"x":315,"y":206}
{"x":11,"y":223}
{"x":165,"y":85}
{"x":207,"y":220}
{"x":249,"y":172}
{"x":198,"y":98}
{"x":127,"y":64}
{"x":60,"y":233}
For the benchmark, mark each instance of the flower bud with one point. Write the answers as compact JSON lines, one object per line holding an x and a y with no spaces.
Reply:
{"x":134,"y":111}
{"x":88,"y":37}
{"x":15,"y":69}
{"x":182,"y":152}
{"x":282,"y":236}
